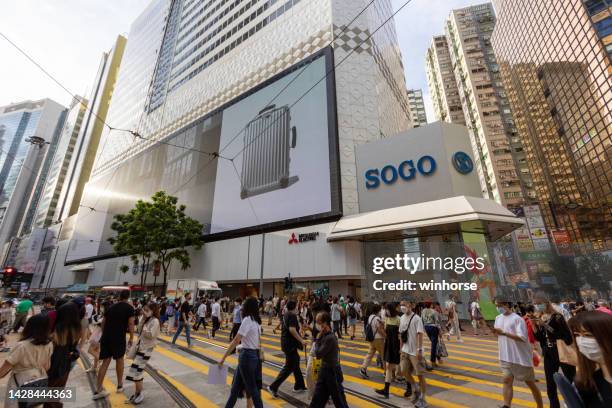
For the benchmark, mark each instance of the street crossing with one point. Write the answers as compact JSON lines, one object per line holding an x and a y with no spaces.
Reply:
{"x":469,"y":377}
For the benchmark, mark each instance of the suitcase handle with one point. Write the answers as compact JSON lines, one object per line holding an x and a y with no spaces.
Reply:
{"x":267,"y":108}
{"x":293,"y":137}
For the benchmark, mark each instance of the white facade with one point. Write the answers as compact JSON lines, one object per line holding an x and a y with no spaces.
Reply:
{"x":167,"y":80}
{"x":370,"y":83}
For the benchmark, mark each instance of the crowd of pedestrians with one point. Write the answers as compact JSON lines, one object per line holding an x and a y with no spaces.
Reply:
{"x":571,"y":339}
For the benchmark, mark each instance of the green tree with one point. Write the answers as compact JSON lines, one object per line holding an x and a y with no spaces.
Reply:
{"x":158,"y":228}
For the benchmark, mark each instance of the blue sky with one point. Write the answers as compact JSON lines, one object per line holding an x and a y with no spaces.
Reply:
{"x":416,"y":24}
{"x":67,"y":37}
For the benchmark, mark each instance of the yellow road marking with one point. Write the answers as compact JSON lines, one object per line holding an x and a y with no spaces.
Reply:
{"x":352,"y":400}
{"x":430,"y":380}
{"x":203,"y":368}
{"x":197,"y":399}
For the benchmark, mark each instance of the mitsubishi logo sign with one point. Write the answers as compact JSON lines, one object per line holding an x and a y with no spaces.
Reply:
{"x":296,"y":239}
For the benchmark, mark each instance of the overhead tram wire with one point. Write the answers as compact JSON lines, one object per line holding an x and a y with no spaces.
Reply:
{"x":215,"y":155}
{"x":309,"y":90}
{"x":301,"y":71}
{"x":272,"y":100}
{"x":134,"y":133}
{"x":333,"y":69}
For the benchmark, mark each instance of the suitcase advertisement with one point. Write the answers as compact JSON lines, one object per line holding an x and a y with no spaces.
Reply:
{"x":282,"y":166}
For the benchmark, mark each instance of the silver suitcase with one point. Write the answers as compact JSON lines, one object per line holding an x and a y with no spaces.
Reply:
{"x":268,"y":140}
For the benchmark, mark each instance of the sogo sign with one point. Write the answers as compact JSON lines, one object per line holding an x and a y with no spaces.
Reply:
{"x":406,"y":171}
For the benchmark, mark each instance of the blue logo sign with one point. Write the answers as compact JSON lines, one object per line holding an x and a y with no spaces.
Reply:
{"x":406,"y":170}
{"x":463,"y":163}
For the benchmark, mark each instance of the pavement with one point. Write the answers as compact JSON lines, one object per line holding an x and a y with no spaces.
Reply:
{"x":178,"y":376}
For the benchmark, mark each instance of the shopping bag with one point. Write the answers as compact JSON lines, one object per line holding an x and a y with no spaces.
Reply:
{"x":217,"y":375}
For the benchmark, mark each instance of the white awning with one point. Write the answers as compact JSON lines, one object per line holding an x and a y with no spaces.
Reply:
{"x":82,"y":267}
{"x":481,"y":215}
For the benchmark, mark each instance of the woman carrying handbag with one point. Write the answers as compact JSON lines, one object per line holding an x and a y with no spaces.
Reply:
{"x":30,"y":359}
{"x":247,"y":376}
{"x":141,"y":351}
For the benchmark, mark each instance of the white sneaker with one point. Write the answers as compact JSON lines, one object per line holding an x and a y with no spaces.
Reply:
{"x":138,"y":399}
{"x":100,"y":395}
{"x":120,"y":388}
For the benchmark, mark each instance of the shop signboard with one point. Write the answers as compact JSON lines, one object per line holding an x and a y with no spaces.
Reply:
{"x":535,"y":256}
{"x":423,"y":164}
{"x":541,"y":245}
{"x":563,"y":243}
{"x":523,"y":240}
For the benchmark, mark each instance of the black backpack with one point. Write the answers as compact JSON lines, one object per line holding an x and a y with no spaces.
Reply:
{"x":352,"y":312}
{"x":369,"y":331}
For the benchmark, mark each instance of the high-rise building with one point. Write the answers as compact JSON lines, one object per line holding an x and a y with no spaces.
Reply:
{"x":184,"y":60}
{"x":501,"y":164}
{"x":43,"y":207}
{"x":555,"y":64}
{"x":26,"y":131}
{"x":199,"y":87}
{"x":417,"y":107}
{"x":441,"y":82}
{"x":88,"y":141}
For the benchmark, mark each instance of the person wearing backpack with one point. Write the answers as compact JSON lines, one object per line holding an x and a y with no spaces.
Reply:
{"x":353,"y":311}
{"x":375,"y":336}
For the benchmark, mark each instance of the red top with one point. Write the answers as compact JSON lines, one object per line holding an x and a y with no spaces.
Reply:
{"x":530,"y":335}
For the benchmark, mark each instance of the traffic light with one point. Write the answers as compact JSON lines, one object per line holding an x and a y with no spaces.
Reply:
{"x":9,"y":276}
{"x":287,"y":283}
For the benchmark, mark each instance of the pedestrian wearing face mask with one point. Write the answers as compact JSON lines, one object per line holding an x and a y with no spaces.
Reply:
{"x":148,"y":330}
{"x":592,"y":332}
{"x":515,"y":354}
{"x":552,"y":332}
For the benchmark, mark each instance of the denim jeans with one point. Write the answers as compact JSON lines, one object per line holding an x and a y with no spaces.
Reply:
{"x":433,"y":332}
{"x":187,"y":332}
{"x":246,"y":378}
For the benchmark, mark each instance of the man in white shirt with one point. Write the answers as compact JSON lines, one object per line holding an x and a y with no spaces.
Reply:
{"x":412,"y":362}
{"x":215,"y":313}
{"x":515,"y":353}
{"x":201,"y":312}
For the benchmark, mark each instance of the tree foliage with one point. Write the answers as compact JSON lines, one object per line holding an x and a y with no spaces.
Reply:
{"x":158,"y":228}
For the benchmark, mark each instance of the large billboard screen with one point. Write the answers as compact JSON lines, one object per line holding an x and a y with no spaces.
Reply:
{"x":277,"y":164}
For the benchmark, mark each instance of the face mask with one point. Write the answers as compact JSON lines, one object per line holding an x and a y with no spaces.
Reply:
{"x":404,"y":309}
{"x":589,"y":348}
{"x":501,"y":310}
{"x":539,"y":308}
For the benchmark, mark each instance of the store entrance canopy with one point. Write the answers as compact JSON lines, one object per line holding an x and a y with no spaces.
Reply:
{"x":440,"y":216}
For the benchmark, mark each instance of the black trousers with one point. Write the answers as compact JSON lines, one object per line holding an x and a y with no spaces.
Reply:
{"x":215,"y":325}
{"x":201,"y":320}
{"x":551,"y":366}
{"x":329,"y":384}
{"x":234,"y":331}
{"x":292,"y":366}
